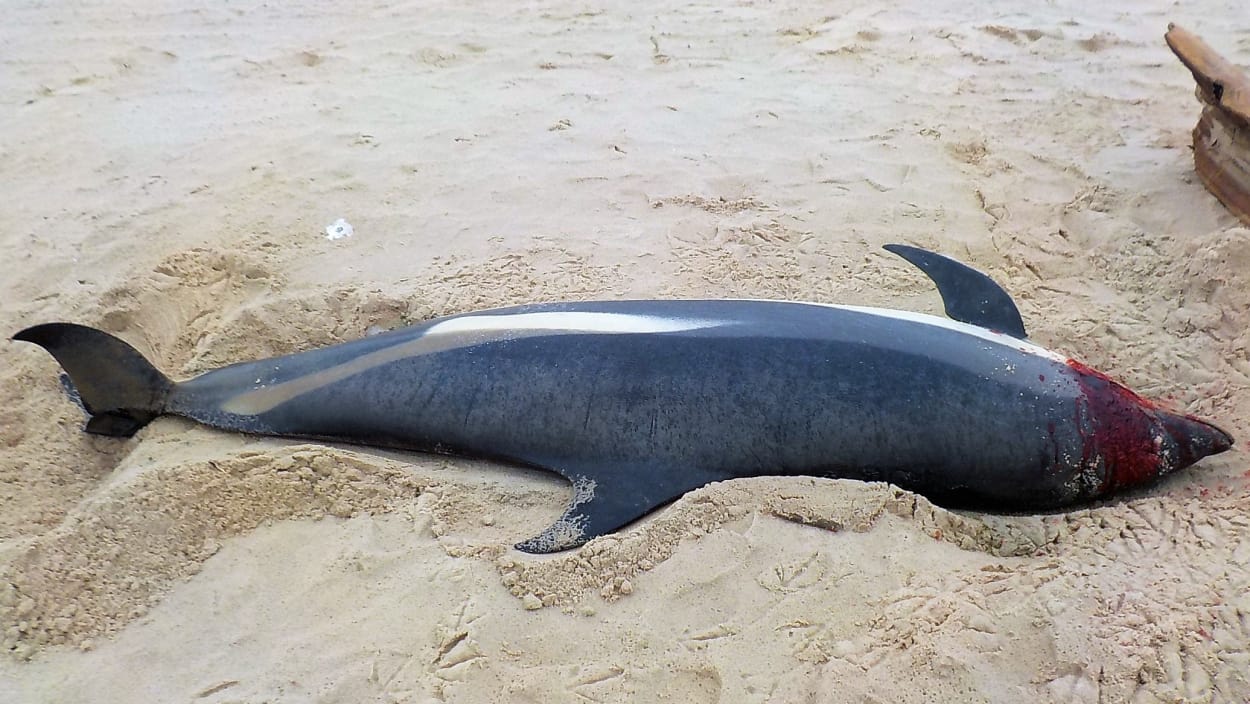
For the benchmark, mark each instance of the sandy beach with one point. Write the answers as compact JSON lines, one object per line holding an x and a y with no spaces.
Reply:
{"x":169,"y":172}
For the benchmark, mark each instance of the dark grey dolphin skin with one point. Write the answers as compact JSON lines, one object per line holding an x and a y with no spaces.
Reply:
{"x":639,"y":402}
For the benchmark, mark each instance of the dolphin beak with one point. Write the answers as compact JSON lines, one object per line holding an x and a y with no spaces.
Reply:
{"x":1194,"y":438}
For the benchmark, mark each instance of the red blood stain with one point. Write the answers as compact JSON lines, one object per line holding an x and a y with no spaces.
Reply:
{"x":1123,"y":391}
{"x":1118,"y":427}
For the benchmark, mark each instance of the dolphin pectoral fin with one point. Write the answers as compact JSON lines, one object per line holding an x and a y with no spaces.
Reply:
{"x":968,"y":295}
{"x":606,"y":498}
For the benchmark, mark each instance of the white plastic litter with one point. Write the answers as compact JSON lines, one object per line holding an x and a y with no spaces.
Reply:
{"x":339,"y":229}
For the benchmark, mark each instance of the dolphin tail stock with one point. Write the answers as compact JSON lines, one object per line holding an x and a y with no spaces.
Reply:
{"x":118,"y":387}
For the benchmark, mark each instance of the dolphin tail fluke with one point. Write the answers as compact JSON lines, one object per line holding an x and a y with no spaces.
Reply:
{"x":117,"y":386}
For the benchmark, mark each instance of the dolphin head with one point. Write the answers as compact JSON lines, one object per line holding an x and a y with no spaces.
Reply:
{"x":1131,"y":440}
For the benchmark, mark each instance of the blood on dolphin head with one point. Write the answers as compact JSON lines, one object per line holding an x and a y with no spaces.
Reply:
{"x":1134,"y":439}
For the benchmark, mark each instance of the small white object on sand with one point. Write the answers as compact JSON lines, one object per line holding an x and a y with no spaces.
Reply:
{"x":339,"y":229}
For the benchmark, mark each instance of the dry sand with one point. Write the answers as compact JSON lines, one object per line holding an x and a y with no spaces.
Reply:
{"x":168,"y":171}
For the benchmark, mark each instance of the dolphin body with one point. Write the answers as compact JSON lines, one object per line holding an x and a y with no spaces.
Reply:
{"x":639,"y":402}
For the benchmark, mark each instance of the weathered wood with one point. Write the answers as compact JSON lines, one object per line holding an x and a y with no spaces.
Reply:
{"x":1222,"y":135}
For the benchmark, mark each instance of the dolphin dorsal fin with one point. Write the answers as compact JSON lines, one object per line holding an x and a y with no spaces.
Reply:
{"x":968,"y":295}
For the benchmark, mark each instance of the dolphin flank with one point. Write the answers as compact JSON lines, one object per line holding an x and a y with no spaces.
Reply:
{"x":639,"y":402}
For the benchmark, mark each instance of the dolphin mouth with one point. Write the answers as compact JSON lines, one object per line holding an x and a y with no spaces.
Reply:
{"x":1194,"y":438}
{"x":1225,"y":441}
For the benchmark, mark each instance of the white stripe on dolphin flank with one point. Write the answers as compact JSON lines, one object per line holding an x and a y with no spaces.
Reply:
{"x":924,"y":318}
{"x":465,"y":331}
{"x":573,"y":322}
{"x":468,"y":330}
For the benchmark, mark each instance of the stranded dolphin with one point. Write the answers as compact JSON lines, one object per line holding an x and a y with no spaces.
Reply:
{"x":639,"y":402}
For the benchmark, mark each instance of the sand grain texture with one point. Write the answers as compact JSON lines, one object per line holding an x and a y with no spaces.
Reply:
{"x":169,"y":172}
